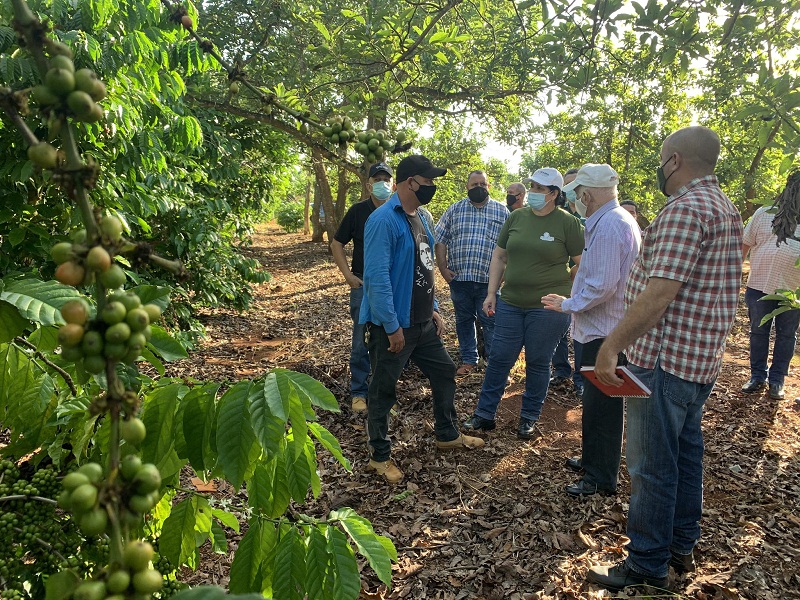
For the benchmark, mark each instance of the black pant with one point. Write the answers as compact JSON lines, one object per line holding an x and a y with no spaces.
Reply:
{"x":429,"y":354}
{"x":601,"y":426}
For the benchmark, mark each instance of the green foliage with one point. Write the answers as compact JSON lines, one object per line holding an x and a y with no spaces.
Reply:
{"x":290,"y":216}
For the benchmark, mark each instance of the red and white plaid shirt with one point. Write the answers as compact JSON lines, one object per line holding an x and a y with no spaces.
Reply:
{"x":695,"y":239}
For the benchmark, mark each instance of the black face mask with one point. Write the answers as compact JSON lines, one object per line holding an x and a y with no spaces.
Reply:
{"x":478,"y":194}
{"x":662,"y":178}
{"x":511,"y":200}
{"x":425,"y":193}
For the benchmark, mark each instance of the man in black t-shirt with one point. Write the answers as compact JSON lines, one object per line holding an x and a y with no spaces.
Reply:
{"x":381,"y":187}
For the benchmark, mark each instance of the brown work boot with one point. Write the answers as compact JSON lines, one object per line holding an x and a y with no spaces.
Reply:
{"x":388,"y":469}
{"x":358,"y":404}
{"x":462,"y":441}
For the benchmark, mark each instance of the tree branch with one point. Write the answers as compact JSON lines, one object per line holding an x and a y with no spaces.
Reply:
{"x":22,"y":341}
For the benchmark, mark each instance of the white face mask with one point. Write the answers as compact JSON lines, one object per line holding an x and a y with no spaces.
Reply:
{"x":580,"y":206}
{"x":381,"y":190}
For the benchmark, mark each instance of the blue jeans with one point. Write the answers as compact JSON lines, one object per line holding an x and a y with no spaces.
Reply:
{"x":665,"y":462}
{"x":786,"y":325}
{"x":561,"y":366}
{"x":468,"y":297}
{"x":538,"y":330}
{"x":359,"y":357}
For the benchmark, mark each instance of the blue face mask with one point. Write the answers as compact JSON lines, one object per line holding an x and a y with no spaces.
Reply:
{"x":536,"y":201}
{"x":571,"y":196}
{"x":381,"y":190}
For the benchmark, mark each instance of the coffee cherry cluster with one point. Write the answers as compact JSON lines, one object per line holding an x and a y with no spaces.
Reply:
{"x":81,"y":496}
{"x":142,"y":484}
{"x":134,"y":579}
{"x":374,"y":144}
{"x":118,"y":334}
{"x":339,"y":130}
{"x":80,"y":262}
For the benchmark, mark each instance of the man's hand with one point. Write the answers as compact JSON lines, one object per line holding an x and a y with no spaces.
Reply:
{"x":490,"y":304}
{"x":439,"y":322}
{"x":605,"y":366}
{"x":353,"y":281}
{"x":447,"y":274}
{"x":397,"y":340}
{"x":553,"y":302}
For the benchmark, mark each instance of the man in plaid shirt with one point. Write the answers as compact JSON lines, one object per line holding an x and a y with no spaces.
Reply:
{"x":465,"y":238}
{"x":680,"y":302}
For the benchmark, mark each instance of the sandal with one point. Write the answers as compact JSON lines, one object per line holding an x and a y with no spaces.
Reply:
{"x":466,"y":369}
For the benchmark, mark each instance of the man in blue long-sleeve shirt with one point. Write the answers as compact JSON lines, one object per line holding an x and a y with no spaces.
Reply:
{"x":401,"y":313}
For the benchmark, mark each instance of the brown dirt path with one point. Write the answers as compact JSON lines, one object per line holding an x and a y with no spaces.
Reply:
{"x":496,"y":523}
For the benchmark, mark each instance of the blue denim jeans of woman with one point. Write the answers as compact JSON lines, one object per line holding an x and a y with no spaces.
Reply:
{"x":602,"y":424}
{"x":425,"y":347}
{"x":359,"y":356}
{"x":665,"y":461}
{"x":468,"y":297}
{"x":786,"y":325}
{"x":538,"y":331}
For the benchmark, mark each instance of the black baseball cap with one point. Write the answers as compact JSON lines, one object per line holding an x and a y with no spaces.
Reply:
{"x":380,"y":167}
{"x":416,"y":164}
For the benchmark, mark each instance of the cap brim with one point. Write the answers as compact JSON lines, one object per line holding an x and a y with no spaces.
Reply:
{"x":376,"y":171}
{"x":571,"y":185}
{"x":434,"y":172}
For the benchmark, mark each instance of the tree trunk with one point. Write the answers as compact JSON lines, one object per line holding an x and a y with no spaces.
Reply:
{"x":307,"y":209}
{"x":326,"y":197}
{"x":342,"y":187}
{"x":317,"y":231}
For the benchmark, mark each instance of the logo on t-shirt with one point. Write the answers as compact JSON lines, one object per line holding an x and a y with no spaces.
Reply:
{"x":425,"y":256}
{"x":547,"y":237}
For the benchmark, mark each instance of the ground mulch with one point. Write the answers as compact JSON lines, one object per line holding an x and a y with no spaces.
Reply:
{"x":496,"y":523}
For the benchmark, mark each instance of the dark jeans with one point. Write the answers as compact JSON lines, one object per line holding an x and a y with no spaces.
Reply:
{"x":359,"y":357}
{"x":430,"y":355}
{"x":601,"y":428}
{"x":665,"y":462}
{"x":786,"y":325}
{"x":468,"y":297}
{"x":561,"y":366}
{"x":538,"y":330}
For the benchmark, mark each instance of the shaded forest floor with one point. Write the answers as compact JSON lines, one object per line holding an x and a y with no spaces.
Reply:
{"x":496,"y":523}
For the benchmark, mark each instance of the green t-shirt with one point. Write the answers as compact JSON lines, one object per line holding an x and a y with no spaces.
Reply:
{"x":538,"y":250}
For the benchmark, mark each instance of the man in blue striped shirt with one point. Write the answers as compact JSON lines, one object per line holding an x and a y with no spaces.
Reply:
{"x":465,"y":238}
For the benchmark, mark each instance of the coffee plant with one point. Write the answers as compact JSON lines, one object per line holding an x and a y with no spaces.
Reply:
{"x":91,"y":500}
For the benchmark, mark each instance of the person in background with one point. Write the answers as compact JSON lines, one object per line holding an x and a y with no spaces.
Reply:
{"x":596,"y":306}
{"x":532,"y":255}
{"x":631,"y":207}
{"x":515,"y":196}
{"x":465,"y":237}
{"x":380,"y":186}
{"x":772,"y":268}
{"x":680,"y":300}
{"x":401,"y":315}
{"x":561,"y":367}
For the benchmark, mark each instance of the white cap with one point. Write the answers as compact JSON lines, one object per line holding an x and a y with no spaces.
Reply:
{"x":592,"y":175}
{"x":546,"y":176}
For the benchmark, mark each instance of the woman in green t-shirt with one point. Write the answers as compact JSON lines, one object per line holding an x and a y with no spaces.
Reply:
{"x":531,"y":257}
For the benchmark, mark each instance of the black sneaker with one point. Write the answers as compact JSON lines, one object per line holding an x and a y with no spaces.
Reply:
{"x":476,"y":423}
{"x":528,"y":429}
{"x":620,"y":576}
{"x":558,"y":381}
{"x":682,"y":563}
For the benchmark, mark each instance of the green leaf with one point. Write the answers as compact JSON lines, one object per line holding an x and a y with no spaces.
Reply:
{"x":298,"y":471}
{"x":158,"y":413}
{"x":177,"y":534}
{"x":786,"y":164}
{"x":227,"y":519}
{"x":323,"y":30}
{"x":37,"y":300}
{"x":329,"y":441}
{"x":347,"y":582}
{"x":361,"y":532}
{"x":236,"y":441}
{"x":11,"y":322}
{"x":311,"y":389}
{"x":298,"y":420}
{"x":276,"y":396}
{"x":750,"y":110}
{"x":289,"y":567}
{"x":61,"y":585}
{"x":219,"y":541}
{"x":265,"y":400}
{"x":165,"y":346}
{"x":256,"y":546}
{"x":319,"y":582}
{"x":199,"y":418}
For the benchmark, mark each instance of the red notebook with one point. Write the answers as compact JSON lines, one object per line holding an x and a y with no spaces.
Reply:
{"x":632,"y":386}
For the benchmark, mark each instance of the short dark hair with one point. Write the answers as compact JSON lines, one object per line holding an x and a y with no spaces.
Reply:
{"x":571,"y":171}
{"x":629,"y":203}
